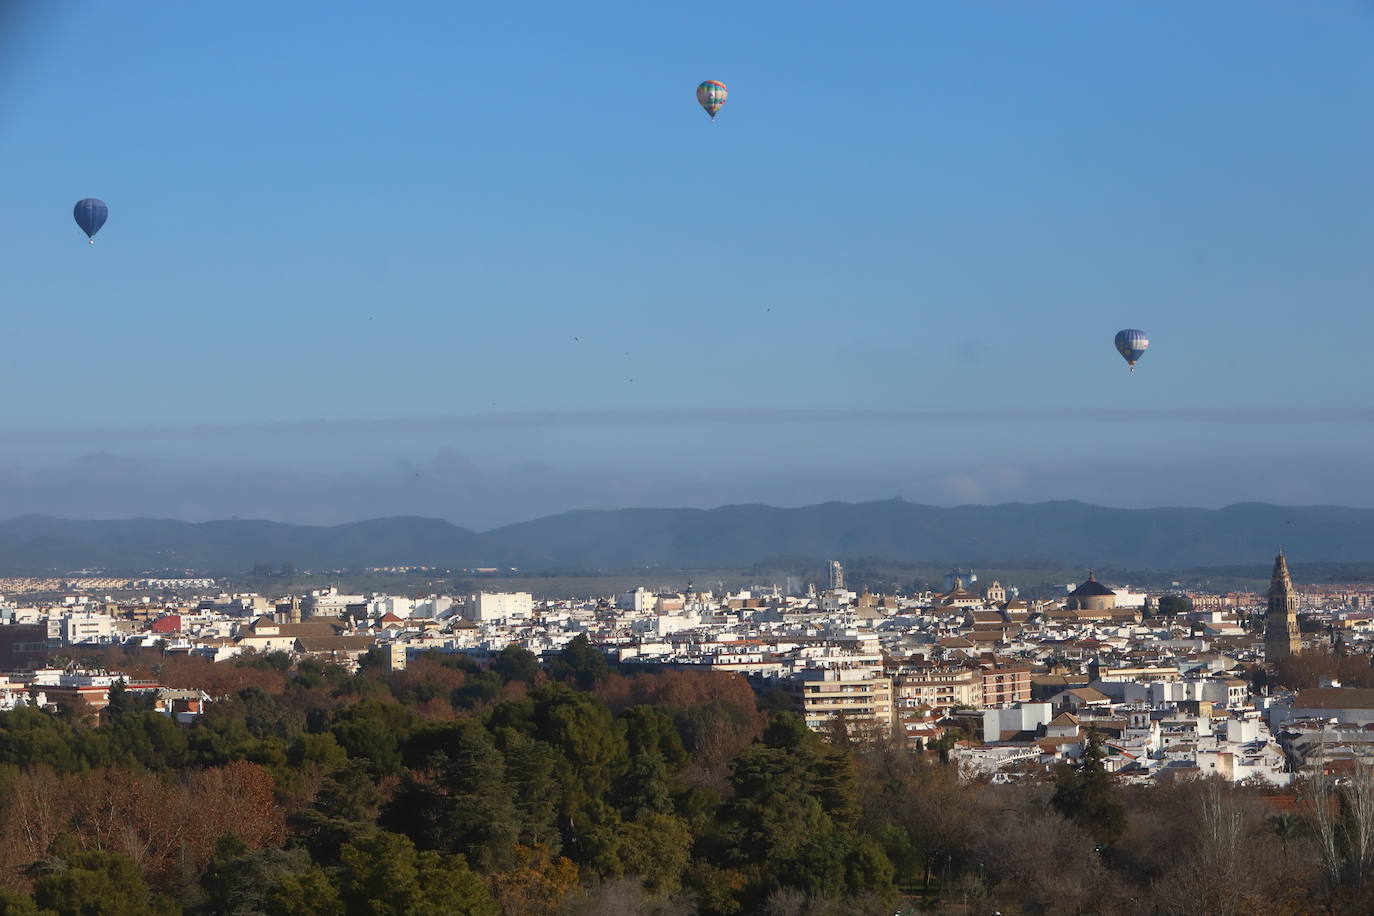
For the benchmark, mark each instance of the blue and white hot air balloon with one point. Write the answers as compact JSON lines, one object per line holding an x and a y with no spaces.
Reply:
{"x":90,"y":216}
{"x":1131,"y":344}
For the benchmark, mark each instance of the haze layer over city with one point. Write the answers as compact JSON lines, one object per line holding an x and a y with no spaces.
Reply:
{"x":514,"y":245}
{"x":556,"y":460}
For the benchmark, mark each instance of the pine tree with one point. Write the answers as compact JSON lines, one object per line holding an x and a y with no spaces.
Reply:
{"x":1087,"y":796}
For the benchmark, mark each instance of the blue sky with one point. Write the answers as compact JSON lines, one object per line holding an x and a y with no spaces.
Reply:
{"x":407,"y":213}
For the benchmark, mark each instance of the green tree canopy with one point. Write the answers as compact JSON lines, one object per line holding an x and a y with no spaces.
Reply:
{"x":1086,"y":795}
{"x":580,"y":664}
{"x":383,"y":875}
{"x":514,"y":663}
{"x":1173,"y":605}
{"x":99,"y":884}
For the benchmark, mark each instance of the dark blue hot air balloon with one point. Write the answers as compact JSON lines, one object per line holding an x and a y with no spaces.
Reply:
{"x":1131,"y":343}
{"x":90,"y":216}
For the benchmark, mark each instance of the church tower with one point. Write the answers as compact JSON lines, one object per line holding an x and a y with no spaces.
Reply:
{"x":1281,"y":623}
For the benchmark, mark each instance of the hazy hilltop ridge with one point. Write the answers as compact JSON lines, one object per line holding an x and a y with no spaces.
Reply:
{"x":1055,"y":532}
{"x":38,"y":543}
{"x":1041,"y":533}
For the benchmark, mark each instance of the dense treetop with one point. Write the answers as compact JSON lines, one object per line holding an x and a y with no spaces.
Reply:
{"x":519,"y":788}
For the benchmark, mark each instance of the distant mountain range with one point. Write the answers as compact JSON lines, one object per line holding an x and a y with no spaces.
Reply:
{"x":1053,"y":534}
{"x":35,"y":544}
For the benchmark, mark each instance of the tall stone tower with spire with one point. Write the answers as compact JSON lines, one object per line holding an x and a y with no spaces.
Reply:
{"x":1281,"y":622}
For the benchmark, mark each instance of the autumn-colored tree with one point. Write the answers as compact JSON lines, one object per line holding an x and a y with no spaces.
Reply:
{"x":425,"y":678}
{"x":218,"y":679}
{"x":616,"y":691}
{"x":536,"y":884}
{"x":1310,"y":667}
{"x":717,"y":713}
{"x":235,"y":799}
{"x":436,"y":709}
{"x":157,"y":824}
{"x":37,"y":809}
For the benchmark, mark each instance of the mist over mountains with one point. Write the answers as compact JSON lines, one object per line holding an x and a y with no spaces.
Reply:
{"x":34,"y":544}
{"x":1013,"y":534}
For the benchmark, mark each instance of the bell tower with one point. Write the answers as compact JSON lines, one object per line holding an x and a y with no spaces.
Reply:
{"x":1281,"y":622}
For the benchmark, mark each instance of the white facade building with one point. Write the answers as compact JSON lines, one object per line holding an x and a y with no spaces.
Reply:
{"x":78,"y":627}
{"x":395,"y":605}
{"x":1023,"y":717}
{"x":485,"y":607}
{"x":1129,"y":599}
{"x":328,"y":603}
{"x":639,"y":601}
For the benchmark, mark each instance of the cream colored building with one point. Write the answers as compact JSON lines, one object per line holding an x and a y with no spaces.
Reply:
{"x":863,"y":695}
{"x":939,"y":687}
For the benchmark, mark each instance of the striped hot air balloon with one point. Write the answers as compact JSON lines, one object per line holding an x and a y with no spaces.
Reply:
{"x":1131,"y":344}
{"x":711,"y":94}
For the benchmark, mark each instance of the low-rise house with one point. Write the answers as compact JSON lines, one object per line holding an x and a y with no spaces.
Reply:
{"x":344,"y":650}
{"x":1345,"y":705}
{"x":1080,"y":698}
{"x":267,"y":635}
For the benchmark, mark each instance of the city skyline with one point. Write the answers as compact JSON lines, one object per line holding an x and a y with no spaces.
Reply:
{"x":934,"y":381}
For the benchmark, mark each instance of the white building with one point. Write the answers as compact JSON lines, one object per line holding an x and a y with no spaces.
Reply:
{"x":1022,"y":717}
{"x":639,"y":601}
{"x":85,"y":627}
{"x":391,"y":604}
{"x":328,"y":603}
{"x":178,"y":583}
{"x":1224,"y":693}
{"x":1244,"y":749}
{"x":1127,"y":598}
{"x":486,"y":607}
{"x":436,"y":607}
{"x":661,"y":625}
